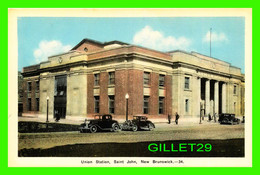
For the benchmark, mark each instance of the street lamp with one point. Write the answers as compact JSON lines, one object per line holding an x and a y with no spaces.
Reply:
{"x":47,"y":98}
{"x":126,"y":97}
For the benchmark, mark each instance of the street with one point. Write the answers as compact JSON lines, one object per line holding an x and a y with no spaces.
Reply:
{"x":207,"y":132}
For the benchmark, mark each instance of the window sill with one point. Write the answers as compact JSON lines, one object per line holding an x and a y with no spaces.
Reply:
{"x":111,"y":85}
{"x":147,"y":86}
{"x":188,"y":90}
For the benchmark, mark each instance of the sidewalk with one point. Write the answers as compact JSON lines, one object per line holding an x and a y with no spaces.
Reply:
{"x":78,"y":121}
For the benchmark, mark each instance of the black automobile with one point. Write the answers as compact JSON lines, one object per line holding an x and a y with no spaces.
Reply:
{"x":100,"y":123}
{"x":226,"y":118}
{"x":138,"y":123}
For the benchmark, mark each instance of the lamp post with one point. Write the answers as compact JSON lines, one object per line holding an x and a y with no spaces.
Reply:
{"x":200,"y":112}
{"x":47,"y":111}
{"x":126,"y":97}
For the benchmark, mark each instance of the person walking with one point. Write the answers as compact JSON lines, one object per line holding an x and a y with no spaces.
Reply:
{"x":169,"y":118}
{"x":176,"y":118}
{"x":57,"y":116}
{"x":215,"y":117}
{"x":209,"y":117}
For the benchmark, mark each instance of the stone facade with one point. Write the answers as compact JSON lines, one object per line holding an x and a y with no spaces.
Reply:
{"x":97,"y":76}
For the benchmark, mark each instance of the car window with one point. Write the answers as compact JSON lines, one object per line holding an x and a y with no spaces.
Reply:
{"x":106,"y":117}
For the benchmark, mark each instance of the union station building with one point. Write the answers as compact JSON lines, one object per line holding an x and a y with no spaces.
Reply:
{"x":95,"y":78}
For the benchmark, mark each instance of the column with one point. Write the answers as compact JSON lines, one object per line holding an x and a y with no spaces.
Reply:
{"x":199,"y":95}
{"x":224,"y":101}
{"x":216,"y":92}
{"x":207,"y":97}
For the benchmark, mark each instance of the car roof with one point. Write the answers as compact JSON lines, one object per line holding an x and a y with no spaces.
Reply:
{"x":140,"y":117}
{"x":102,"y":114}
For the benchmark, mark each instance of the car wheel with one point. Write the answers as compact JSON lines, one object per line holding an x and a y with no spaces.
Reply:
{"x":93,"y":129}
{"x":150,"y":126}
{"x":134,"y":128}
{"x":115,"y":127}
{"x":225,"y":121}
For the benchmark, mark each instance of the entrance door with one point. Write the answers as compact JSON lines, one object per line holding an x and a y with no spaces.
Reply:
{"x":60,"y":96}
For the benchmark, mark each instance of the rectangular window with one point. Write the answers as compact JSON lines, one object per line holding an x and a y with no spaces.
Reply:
{"x":29,"y":104}
{"x":37,"y":104}
{"x":37,"y":85}
{"x":96,"y":79}
{"x":96,"y":104}
{"x":60,"y":86}
{"x":111,"y":104}
{"x":161,"y":105}
{"x":235,"y":89}
{"x":111,"y":78}
{"x":146,"y":104}
{"x":187,"y":105}
{"x":29,"y":86}
{"x":187,"y":83}
{"x":146,"y":78}
{"x":161,"y":80}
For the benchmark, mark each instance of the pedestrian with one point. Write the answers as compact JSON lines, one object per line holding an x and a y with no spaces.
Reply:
{"x":215,"y":117}
{"x":176,"y":118}
{"x":243,"y":121}
{"x":210,"y":117}
{"x":57,"y":116}
{"x":169,"y":118}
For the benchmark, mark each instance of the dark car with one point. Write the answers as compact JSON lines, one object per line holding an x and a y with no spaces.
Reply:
{"x":138,"y":123}
{"x":100,"y":123}
{"x":226,"y":118}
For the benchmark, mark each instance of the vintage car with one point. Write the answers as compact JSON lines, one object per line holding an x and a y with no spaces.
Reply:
{"x":138,"y":123}
{"x":129,"y":126}
{"x":100,"y":123}
{"x":226,"y":118}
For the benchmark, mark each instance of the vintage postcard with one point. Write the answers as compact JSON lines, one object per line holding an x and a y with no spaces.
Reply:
{"x":130,"y":87}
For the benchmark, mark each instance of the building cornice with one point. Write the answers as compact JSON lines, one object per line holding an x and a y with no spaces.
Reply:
{"x":126,"y":57}
{"x":209,"y":71}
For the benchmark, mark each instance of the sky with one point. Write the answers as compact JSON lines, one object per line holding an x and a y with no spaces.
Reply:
{"x":40,"y":37}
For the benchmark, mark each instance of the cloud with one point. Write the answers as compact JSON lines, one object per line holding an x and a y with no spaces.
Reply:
{"x":49,"y":48}
{"x":215,"y":37}
{"x":153,"y":39}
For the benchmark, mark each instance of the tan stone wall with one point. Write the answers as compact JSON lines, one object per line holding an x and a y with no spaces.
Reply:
{"x":176,"y":92}
{"x":63,"y":59}
{"x":47,"y":89}
{"x":205,"y":62}
{"x":196,"y":96}
{"x":235,"y":98}
{"x":77,"y":94}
